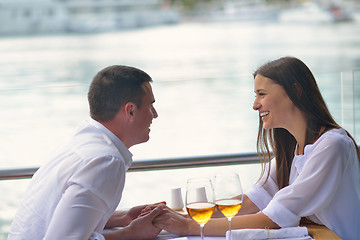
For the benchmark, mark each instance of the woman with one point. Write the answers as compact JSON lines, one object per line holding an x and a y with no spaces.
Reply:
{"x":315,"y":171}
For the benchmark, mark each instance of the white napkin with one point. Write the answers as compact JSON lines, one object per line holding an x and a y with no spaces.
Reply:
{"x":282,"y":233}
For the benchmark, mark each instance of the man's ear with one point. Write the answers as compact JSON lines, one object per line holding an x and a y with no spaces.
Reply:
{"x":129,"y":110}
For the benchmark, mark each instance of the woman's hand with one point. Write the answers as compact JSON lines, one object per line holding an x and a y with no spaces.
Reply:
{"x":176,"y":223}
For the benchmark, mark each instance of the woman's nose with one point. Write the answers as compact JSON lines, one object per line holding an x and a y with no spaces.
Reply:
{"x":256,"y":105}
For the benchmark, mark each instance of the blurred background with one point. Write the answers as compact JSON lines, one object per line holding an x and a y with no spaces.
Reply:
{"x":201,"y":56}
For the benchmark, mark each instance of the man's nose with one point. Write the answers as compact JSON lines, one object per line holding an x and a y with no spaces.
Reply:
{"x":154,"y":112}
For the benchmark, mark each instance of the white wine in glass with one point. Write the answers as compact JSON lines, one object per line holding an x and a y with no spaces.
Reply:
{"x":199,"y":200}
{"x":228,"y":195}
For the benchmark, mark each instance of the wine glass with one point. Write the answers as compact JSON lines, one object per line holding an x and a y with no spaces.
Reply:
{"x":228,"y":195}
{"x":199,"y":201}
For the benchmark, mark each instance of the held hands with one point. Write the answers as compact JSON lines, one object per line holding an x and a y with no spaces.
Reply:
{"x":138,"y":211}
{"x":174,"y":222}
{"x":124,"y":218}
{"x":147,"y":221}
{"x":140,"y":228}
{"x":143,"y":227}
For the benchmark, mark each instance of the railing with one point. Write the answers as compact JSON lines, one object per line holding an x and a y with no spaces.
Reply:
{"x":159,"y":164}
{"x":350,"y":109}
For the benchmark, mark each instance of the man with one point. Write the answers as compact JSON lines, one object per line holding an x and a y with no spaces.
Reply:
{"x":75,"y":194}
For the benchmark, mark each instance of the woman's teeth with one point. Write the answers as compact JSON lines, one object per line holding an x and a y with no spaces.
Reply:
{"x":264,"y":114}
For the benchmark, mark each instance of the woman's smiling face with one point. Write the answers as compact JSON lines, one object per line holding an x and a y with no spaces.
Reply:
{"x":274,"y":105}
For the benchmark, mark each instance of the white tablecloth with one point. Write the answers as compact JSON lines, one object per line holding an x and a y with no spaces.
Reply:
{"x":165,"y":235}
{"x":285,"y":236}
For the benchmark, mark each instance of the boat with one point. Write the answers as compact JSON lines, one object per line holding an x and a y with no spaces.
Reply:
{"x":243,"y":10}
{"x":95,"y":16}
{"x":312,"y":12}
{"x":55,"y":16}
{"x":36,"y":16}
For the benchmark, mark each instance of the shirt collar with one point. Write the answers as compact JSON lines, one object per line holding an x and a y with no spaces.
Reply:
{"x":124,"y":151}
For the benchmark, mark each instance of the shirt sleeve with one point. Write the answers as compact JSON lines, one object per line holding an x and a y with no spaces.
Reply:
{"x":262,"y":192}
{"x":86,"y":203}
{"x":96,"y":236}
{"x":315,"y":186}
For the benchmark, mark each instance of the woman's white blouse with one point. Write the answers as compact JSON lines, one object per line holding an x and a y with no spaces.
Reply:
{"x":324,"y":186}
{"x":74,"y":194}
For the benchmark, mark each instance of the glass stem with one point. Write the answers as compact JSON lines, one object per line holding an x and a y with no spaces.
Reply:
{"x":202,"y":230}
{"x":229,"y":220}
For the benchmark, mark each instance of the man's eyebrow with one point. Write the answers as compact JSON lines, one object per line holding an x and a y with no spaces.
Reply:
{"x":259,"y":90}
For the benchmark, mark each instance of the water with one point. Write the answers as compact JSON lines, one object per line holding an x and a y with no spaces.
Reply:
{"x":202,"y":85}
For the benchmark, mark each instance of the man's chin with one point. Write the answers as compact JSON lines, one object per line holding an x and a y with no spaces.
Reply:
{"x":144,"y":140}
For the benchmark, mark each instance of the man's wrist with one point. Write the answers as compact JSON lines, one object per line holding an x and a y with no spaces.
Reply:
{"x":118,"y":219}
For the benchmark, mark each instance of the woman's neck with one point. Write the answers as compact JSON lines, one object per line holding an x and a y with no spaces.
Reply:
{"x":298,"y":130}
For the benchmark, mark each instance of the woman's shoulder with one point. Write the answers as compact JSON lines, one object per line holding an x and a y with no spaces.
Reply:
{"x":335,"y":136}
{"x":334,"y":141}
{"x":334,"y":149}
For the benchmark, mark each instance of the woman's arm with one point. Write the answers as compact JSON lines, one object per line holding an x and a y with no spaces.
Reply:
{"x":247,"y":207}
{"x":248,"y":217}
{"x":218,"y":227}
{"x":181,"y":225}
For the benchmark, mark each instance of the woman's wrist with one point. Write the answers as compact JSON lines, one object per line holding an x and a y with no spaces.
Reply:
{"x":193,"y":228}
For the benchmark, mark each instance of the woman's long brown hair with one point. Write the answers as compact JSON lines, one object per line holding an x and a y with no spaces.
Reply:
{"x":301,"y":87}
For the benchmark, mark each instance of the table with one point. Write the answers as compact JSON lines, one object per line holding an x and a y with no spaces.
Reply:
{"x":318,"y":232}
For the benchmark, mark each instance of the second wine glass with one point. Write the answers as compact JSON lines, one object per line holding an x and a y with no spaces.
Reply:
{"x":200,"y":201}
{"x":228,"y":195}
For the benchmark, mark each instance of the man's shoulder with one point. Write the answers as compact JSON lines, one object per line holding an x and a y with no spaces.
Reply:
{"x":89,"y":140}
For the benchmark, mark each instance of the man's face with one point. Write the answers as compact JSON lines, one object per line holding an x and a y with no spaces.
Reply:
{"x":144,"y":115}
